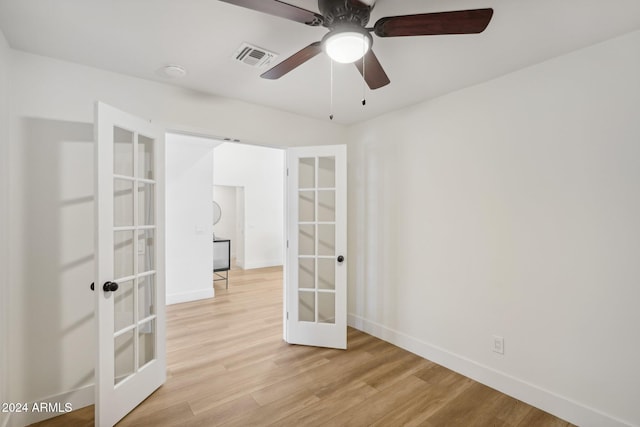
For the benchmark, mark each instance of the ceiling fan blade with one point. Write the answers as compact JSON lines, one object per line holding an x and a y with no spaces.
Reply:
{"x":293,"y":61}
{"x":373,"y":73}
{"x":471,"y":21}
{"x":281,"y":9}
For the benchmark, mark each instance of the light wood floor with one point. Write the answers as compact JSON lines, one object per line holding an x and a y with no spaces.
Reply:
{"x":228,"y":365}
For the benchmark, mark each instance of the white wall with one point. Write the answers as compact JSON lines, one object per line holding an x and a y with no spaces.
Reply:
{"x":260,"y":171}
{"x":511,"y":208}
{"x":51,"y":340}
{"x":65,"y":91}
{"x":239,"y":244}
{"x":4,"y":218}
{"x":51,"y":331}
{"x":189,"y":254}
{"x":226,"y":198}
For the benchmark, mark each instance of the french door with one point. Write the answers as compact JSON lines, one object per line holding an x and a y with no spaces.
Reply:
{"x":129,"y":286}
{"x":316,"y":276}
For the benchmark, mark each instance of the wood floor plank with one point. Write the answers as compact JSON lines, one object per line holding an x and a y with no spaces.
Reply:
{"x":224,"y":413}
{"x":462,"y":410}
{"x":378,"y":405}
{"x":332,"y":405}
{"x":421,"y":406}
{"x":168,"y":415}
{"x":275,"y":411}
{"x":228,"y":366}
{"x":540,"y":418}
{"x":513,"y":411}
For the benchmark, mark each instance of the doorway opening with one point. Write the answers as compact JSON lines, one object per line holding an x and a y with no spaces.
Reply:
{"x":248,"y":185}
{"x":247,"y":182}
{"x":231,"y":220}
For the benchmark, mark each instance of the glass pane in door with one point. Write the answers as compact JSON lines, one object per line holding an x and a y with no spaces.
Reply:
{"x":122,"y":152}
{"x":306,"y":306}
{"x":145,"y":203}
{"x":124,"y":356}
{"x":122,"y":254}
{"x":326,"y":307}
{"x":306,"y":273}
{"x":146,"y":255}
{"x":146,"y":342}
{"x":326,"y":205}
{"x":326,"y":239}
{"x":306,"y":206}
{"x":326,"y":273}
{"x":307,"y":239}
{"x":123,"y":305}
{"x":145,"y":157}
{"x":327,"y":172}
{"x":146,"y":296}
{"x":307,"y":173}
{"x":122,"y":202}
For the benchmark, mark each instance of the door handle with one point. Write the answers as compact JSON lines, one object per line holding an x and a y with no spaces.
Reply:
{"x":110,"y":286}
{"x":340,"y":258}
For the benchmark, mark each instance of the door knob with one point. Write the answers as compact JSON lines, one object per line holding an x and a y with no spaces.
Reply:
{"x":340,"y":258}
{"x":110,"y":286}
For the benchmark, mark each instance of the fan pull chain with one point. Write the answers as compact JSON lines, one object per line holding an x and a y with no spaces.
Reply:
{"x":331,"y":92}
{"x":364,"y":81}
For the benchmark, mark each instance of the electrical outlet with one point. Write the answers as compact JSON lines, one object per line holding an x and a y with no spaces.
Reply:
{"x":498,"y":344}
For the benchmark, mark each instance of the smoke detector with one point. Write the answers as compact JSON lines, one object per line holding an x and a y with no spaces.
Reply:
{"x":172,"y":71}
{"x":254,"y":56}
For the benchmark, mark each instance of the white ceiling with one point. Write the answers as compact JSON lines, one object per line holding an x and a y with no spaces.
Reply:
{"x":137,"y":37}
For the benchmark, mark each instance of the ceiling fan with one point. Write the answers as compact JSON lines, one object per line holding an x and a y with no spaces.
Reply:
{"x":349,"y":39}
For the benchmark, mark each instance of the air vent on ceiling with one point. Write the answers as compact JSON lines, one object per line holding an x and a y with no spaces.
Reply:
{"x":254,"y":56}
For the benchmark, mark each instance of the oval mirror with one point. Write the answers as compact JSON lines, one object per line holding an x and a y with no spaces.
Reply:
{"x":217,"y":213}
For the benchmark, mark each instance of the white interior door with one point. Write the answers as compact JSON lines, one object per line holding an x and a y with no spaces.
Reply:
{"x":129,"y":286}
{"x":316,"y":277}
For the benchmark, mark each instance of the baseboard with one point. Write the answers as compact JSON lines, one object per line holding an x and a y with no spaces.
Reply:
{"x":262,"y":264}
{"x":78,"y":398}
{"x":189,"y":296}
{"x":546,"y":400}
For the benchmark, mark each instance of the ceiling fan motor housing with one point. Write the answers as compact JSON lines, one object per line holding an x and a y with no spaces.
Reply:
{"x":341,"y":12}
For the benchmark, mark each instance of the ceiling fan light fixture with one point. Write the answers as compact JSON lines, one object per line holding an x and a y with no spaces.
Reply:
{"x":347,"y":45}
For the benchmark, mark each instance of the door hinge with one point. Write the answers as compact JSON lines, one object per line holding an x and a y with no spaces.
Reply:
{"x":287,"y":315}
{"x":287,"y":244}
{"x":287,"y":171}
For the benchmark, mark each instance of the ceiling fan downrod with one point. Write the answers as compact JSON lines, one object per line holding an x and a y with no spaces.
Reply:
{"x":340,"y":12}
